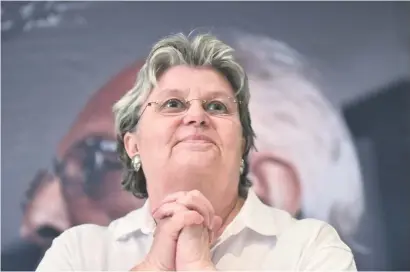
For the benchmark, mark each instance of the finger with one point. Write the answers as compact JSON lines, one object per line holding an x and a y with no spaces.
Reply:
{"x":176,"y":223}
{"x":167,"y":210}
{"x":198,"y":205}
{"x":173,"y":197}
{"x":194,"y":193}
{"x":198,"y":195}
{"x":210,"y":236}
{"x":187,"y":218}
{"x":216,"y":223}
{"x":197,"y":201}
{"x":170,"y":198}
{"x":217,"y":227}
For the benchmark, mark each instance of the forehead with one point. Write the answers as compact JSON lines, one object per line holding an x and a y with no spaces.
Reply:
{"x":186,"y":80}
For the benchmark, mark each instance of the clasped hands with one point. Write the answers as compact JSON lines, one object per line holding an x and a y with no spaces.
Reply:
{"x":186,"y":228}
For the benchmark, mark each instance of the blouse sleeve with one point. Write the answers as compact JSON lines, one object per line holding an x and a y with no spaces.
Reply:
{"x":60,"y":256}
{"x":327,"y":252}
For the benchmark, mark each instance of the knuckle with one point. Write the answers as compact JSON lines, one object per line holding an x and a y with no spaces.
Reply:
{"x":180,"y":194}
{"x":191,"y":198}
{"x":195,"y":193}
{"x":179,"y":208}
{"x":180,"y":216}
{"x":185,"y":200}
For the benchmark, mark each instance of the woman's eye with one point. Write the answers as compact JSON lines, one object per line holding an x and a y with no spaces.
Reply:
{"x":172,"y":106}
{"x":217,"y":107}
{"x":173,"y":103}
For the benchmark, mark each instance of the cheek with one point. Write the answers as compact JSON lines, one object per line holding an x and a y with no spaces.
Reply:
{"x":154,"y":137}
{"x":230,"y":133}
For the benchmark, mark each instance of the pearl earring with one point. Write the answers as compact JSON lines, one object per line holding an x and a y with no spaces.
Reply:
{"x":242,"y":167}
{"x":136,"y":162}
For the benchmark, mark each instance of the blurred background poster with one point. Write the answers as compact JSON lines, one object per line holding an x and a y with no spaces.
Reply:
{"x":65,"y":63}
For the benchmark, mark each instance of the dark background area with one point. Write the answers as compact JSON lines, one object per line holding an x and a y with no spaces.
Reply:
{"x":383,"y":119}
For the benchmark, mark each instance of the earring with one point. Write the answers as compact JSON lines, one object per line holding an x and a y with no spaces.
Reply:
{"x":242,"y":167}
{"x":136,"y":162}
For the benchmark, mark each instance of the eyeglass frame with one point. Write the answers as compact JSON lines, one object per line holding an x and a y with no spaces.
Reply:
{"x":203,"y":101}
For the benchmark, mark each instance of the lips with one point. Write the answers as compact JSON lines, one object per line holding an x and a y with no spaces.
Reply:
{"x":197,"y":138}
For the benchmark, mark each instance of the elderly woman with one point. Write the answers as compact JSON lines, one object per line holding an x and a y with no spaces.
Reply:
{"x":184,"y":134}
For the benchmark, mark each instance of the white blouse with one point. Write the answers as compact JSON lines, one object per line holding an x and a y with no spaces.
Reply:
{"x":259,"y":238}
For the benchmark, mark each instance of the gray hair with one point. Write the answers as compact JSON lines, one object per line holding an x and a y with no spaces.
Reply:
{"x":304,"y":129}
{"x":178,"y":49}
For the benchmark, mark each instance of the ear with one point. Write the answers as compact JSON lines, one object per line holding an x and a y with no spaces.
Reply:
{"x":130,"y":144}
{"x":277,"y":182}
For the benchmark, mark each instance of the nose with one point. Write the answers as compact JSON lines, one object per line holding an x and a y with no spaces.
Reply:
{"x":196,"y":115}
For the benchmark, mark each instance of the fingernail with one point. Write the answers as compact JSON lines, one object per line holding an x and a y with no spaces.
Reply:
{"x":211,"y":237}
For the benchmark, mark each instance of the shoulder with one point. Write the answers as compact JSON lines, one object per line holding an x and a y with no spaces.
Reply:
{"x":86,"y":229}
{"x":313,"y":232}
{"x":84,"y":234}
{"x":316,"y":246}
{"x":71,"y":250}
{"x":93,"y":247}
{"x":307,"y":230}
{"x":271,"y":221}
{"x":83,"y":240}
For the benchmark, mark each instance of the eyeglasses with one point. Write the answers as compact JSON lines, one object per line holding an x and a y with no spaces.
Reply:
{"x":219,"y":106}
{"x":85,"y":164}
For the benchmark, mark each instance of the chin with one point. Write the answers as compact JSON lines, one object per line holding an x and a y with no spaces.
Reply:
{"x":190,"y":172}
{"x":196,"y":154}
{"x":197,"y":160}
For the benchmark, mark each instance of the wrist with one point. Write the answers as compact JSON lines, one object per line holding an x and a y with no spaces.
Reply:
{"x":201,"y":266}
{"x":142,"y":267}
{"x":147,"y":265}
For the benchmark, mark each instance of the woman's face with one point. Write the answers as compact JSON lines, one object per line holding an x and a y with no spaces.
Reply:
{"x":189,"y":145}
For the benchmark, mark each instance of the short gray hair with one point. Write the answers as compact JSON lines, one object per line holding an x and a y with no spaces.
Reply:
{"x":178,"y":49}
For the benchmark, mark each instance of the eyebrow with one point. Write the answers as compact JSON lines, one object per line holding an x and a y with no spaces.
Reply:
{"x":219,"y":93}
{"x":184,"y":93}
{"x":167,"y":92}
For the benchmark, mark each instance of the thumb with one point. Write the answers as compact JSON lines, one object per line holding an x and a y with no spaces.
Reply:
{"x":216,"y":228}
{"x":216,"y":223}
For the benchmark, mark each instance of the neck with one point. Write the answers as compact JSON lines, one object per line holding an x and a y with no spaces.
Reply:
{"x":230,"y":211}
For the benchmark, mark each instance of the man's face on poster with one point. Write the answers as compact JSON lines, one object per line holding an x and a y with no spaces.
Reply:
{"x":90,"y":174}
{"x":275,"y":181}
{"x":87,"y":173}
{"x":42,"y":222}
{"x":87,"y":163}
